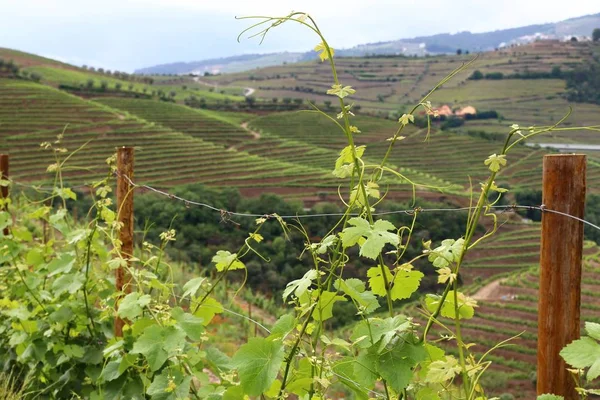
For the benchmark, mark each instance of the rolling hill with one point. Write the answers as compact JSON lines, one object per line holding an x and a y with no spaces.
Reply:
{"x":445,"y":43}
{"x":230,"y":141}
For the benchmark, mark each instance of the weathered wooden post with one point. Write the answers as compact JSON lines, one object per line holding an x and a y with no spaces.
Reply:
{"x":4,"y":189}
{"x":560,"y":270}
{"x":124,"y":217}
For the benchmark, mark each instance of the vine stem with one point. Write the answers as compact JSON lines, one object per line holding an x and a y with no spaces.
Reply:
{"x":87,"y":271}
{"x":290,"y":357}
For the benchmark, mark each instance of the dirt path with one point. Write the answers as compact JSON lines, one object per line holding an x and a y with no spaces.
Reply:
{"x":492,"y":291}
{"x":255,"y":135}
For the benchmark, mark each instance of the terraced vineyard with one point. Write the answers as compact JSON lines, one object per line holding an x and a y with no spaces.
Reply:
{"x":33,"y":113}
{"x":502,"y":274}
{"x":205,"y":125}
{"x":386,"y":85}
{"x":446,"y":156}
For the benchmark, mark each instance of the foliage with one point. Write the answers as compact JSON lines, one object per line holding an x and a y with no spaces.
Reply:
{"x":583,"y":84}
{"x":59,"y":303}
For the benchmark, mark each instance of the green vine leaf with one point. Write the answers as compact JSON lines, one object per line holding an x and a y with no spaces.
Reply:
{"x":300,"y":286}
{"x":157,"y":343}
{"x":442,"y":371}
{"x":209,"y":308}
{"x":132,"y":305}
{"x":191,"y":287}
{"x":466,"y":305}
{"x":341,"y":91}
{"x":396,"y":365}
{"x":406,"y":282}
{"x":322,"y":50}
{"x":192,"y":325}
{"x":375,"y":236}
{"x":495,"y":162}
{"x":258,"y":363}
{"x":593,"y":330}
{"x":68,"y":283}
{"x":226,"y":260}
{"x":365,"y":369}
{"x":324,"y":309}
{"x":344,"y":165}
{"x":355,"y":289}
{"x":378,"y":330}
{"x":376,"y":282}
{"x":448,"y":252}
{"x":549,"y":397}
{"x":583,"y":353}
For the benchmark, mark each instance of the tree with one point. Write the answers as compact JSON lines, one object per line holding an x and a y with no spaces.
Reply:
{"x":476,"y":75}
{"x":90,"y":83}
{"x":596,"y":35}
{"x":118,"y":86}
{"x":103,"y":85}
{"x":573,"y":39}
{"x":458,"y":52}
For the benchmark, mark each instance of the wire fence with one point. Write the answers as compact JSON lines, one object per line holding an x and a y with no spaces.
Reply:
{"x":224,"y":213}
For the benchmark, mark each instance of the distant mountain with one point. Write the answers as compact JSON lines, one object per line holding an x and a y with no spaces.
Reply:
{"x":226,"y":64}
{"x":580,"y":27}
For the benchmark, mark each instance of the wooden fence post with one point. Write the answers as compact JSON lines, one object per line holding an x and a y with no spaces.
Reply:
{"x":125,"y":217}
{"x":4,"y":189}
{"x":560,"y":270}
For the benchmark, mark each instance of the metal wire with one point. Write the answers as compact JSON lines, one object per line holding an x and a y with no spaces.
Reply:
{"x":226,"y":213}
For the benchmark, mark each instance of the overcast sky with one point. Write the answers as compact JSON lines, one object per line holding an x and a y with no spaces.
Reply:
{"x":129,"y":34}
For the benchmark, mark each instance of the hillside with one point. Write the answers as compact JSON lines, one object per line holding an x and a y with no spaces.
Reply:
{"x":229,"y":132}
{"x":113,"y":109}
{"x":444,"y":43}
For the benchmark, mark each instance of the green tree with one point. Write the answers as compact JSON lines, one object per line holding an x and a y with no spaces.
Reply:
{"x":458,"y":52}
{"x":596,"y":35}
{"x":476,"y":75}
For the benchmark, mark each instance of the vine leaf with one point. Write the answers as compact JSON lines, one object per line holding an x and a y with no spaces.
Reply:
{"x":593,"y":330}
{"x":193,"y":326}
{"x":225,"y":260}
{"x":169,"y":385}
{"x":192,"y":286}
{"x":344,"y":165}
{"x":406,"y":282}
{"x":322,"y":50}
{"x":448,"y":252}
{"x":371,"y":238}
{"x":379,"y":329}
{"x":355,"y":289}
{"x":395,"y":365}
{"x":208,"y":309}
{"x":132,"y":305}
{"x":324,"y":308}
{"x":365,"y":369}
{"x":157,"y":343}
{"x":495,"y":162}
{"x":583,"y":353}
{"x":300,"y":286}
{"x":341,"y":91}
{"x":68,"y":283}
{"x":443,"y":370}
{"x":376,"y":281}
{"x":258,"y":363}
{"x":466,"y":305}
